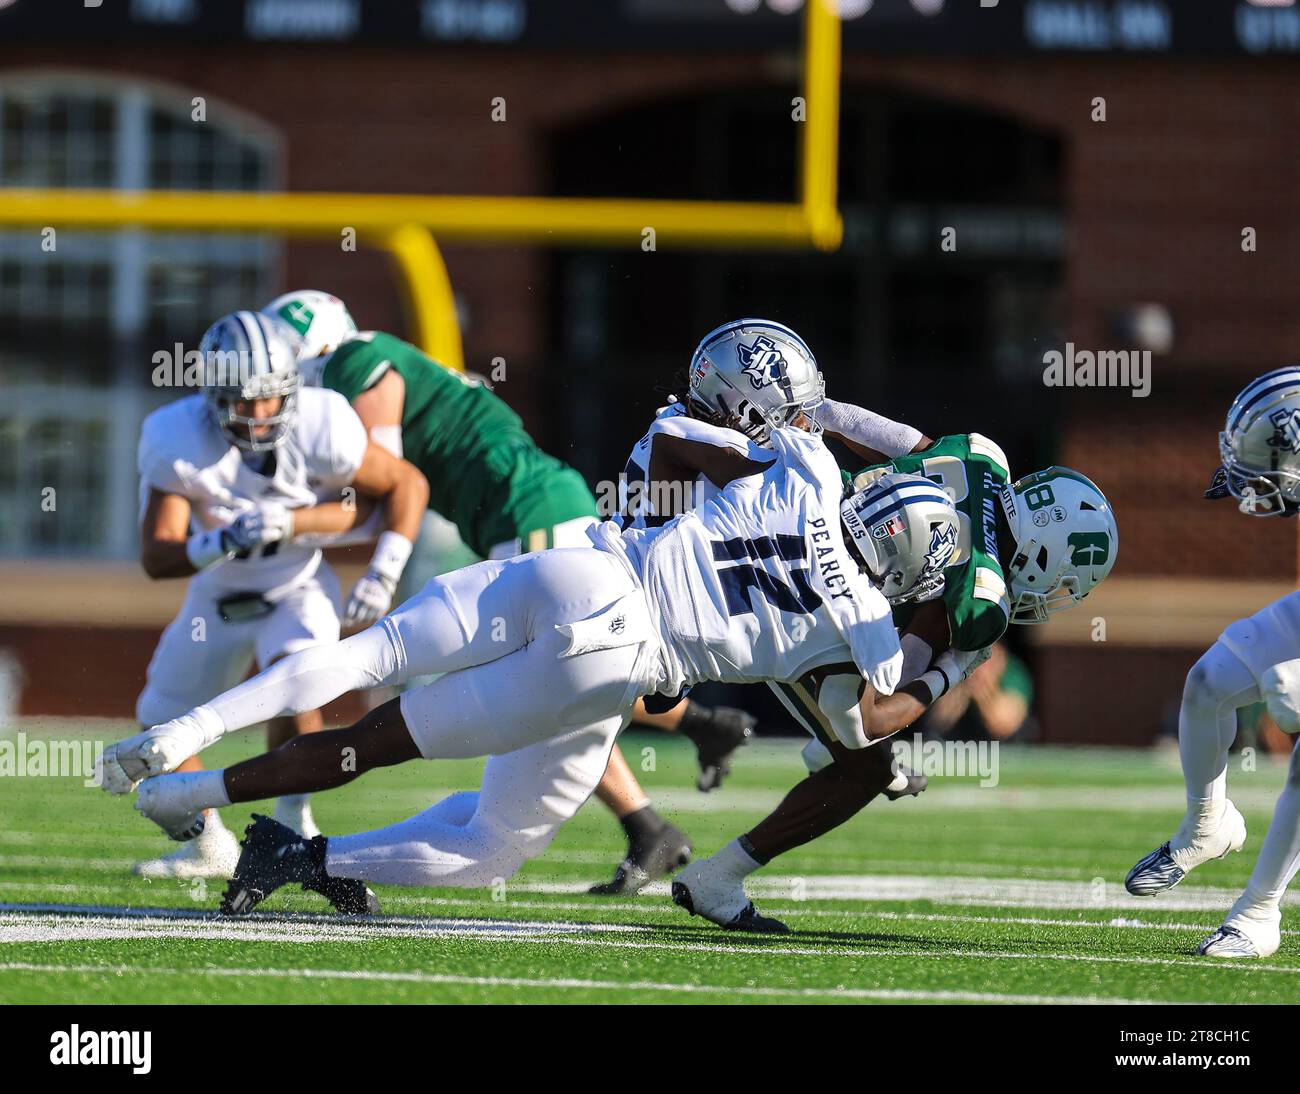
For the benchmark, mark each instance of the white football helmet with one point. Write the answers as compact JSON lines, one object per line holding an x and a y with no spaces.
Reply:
{"x":905,"y":530}
{"x":248,"y":355}
{"x":1065,"y":538}
{"x":755,"y":375}
{"x":1260,"y":445}
{"x":320,"y":321}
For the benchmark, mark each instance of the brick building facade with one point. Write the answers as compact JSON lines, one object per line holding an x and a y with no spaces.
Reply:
{"x":1154,"y":200}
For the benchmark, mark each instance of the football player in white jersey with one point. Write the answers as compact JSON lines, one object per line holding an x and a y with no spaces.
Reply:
{"x":745,"y":377}
{"x":234,"y":481}
{"x":411,"y":409}
{"x":943,"y":640}
{"x":545,"y":656}
{"x":1254,"y":659}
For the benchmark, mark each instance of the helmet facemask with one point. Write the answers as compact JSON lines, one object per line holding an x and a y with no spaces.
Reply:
{"x":1260,"y":492}
{"x":1057,"y":591}
{"x":251,"y":434}
{"x":249,"y":357}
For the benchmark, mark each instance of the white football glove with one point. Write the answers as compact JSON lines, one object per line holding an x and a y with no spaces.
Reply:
{"x":156,"y":751}
{"x":270,"y":522}
{"x":371,"y":598}
{"x":154,"y":802}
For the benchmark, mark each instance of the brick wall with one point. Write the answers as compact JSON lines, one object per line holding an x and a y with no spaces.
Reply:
{"x":1156,"y":198}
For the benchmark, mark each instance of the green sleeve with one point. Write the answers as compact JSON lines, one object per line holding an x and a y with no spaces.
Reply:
{"x":975,"y":623}
{"x":972,"y":469}
{"x":355,"y":367}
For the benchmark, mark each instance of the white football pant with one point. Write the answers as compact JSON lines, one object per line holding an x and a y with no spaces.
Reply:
{"x":200,"y":655}
{"x":1254,"y":659}
{"x":544,"y":657}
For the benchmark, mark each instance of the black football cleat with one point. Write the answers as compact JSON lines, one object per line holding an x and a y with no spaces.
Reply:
{"x":915,"y":784}
{"x":748,"y":919}
{"x":274,"y":855}
{"x":348,"y":895}
{"x":648,"y":860}
{"x":717,"y":733}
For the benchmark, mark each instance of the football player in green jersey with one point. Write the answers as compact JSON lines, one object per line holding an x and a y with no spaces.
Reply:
{"x":1026,"y":550}
{"x":505,"y":496}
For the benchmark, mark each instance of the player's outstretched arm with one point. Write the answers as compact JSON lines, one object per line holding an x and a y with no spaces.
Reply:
{"x":333,"y":518}
{"x":401,"y":485}
{"x":875,"y":438}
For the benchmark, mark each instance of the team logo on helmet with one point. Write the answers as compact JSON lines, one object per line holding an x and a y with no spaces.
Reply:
{"x":943,"y":542}
{"x":1089,"y":548}
{"x":297,"y":315}
{"x":762,"y":362}
{"x":1286,"y":422}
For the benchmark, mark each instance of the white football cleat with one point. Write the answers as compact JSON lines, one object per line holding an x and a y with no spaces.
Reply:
{"x":294,"y":811}
{"x":701,"y":891}
{"x":1169,"y":863}
{"x":1241,"y":937}
{"x":157,"y":802}
{"x":213,"y":853}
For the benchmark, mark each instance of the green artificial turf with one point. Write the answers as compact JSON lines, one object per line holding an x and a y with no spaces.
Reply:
{"x":1004,"y":894}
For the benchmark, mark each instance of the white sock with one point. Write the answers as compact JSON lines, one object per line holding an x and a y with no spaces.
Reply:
{"x":214,"y":825}
{"x":291,"y":804}
{"x":447,"y":844}
{"x":1279,"y":857}
{"x":899,"y":782}
{"x":196,"y":790}
{"x":733,"y":862}
{"x":1207,"y":726}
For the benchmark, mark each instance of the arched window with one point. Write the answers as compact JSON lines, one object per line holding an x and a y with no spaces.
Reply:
{"x":67,"y":128}
{"x":81,"y":313}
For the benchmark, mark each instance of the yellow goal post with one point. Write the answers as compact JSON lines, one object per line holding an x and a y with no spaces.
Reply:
{"x":406,"y":226}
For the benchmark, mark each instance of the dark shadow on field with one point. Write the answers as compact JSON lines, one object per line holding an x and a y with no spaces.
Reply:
{"x":870,"y":942}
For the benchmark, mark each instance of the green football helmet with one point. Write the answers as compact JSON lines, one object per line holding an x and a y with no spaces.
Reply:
{"x":1065,"y":538}
{"x":320,"y":321}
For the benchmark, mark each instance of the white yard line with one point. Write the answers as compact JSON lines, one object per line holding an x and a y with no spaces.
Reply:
{"x":956,"y":890}
{"x":799,"y":910}
{"x":52,"y":924}
{"x":959,"y":890}
{"x":566,"y":983}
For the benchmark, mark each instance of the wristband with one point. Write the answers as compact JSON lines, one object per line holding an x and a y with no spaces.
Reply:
{"x":205,"y":549}
{"x":938,"y":683}
{"x":391,"y":553}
